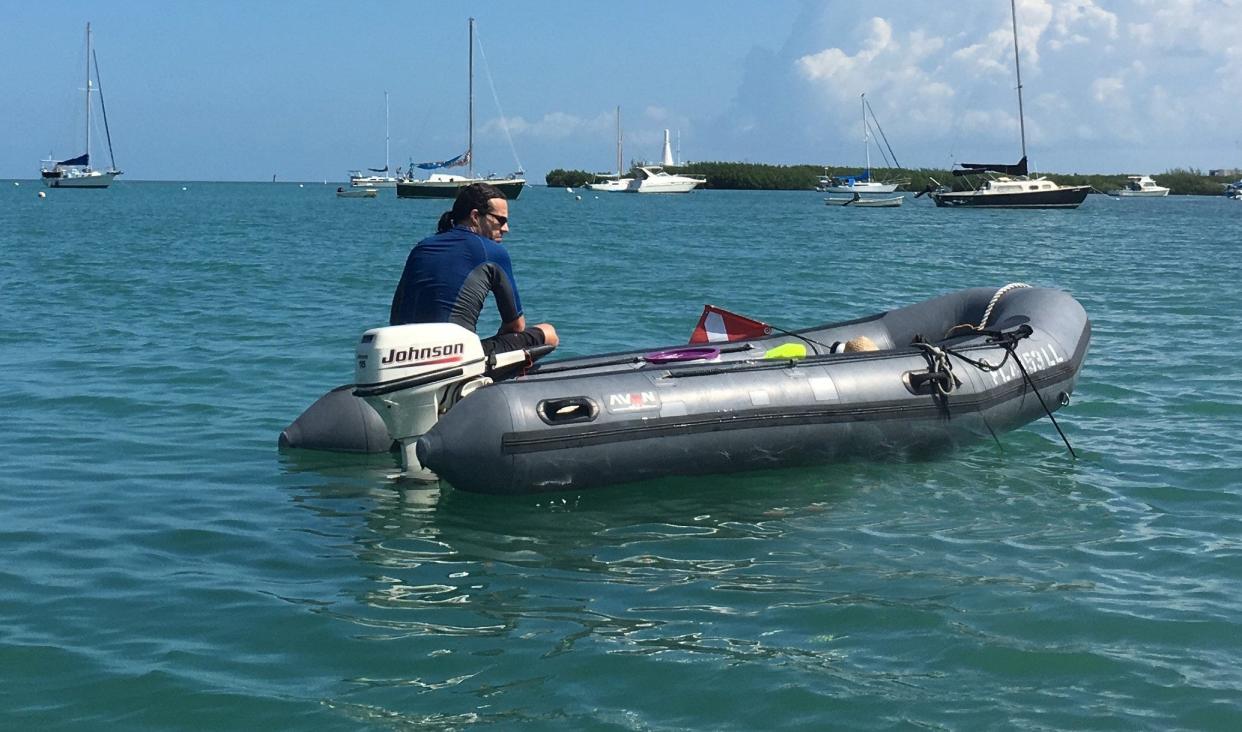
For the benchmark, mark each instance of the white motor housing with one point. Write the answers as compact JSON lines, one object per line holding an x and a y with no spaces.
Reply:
{"x":412,"y":373}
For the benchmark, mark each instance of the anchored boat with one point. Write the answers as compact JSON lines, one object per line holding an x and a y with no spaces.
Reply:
{"x":1008,"y":185}
{"x":609,"y":182}
{"x":950,"y":370}
{"x":864,"y":202}
{"x":77,"y":172}
{"x":357,"y":193}
{"x":379,"y":177}
{"x":1140,"y":186}
{"x":447,"y":185}
{"x":862,"y":183}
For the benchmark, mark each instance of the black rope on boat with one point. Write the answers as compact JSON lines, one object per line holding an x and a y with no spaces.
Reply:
{"x":1047,"y":411}
{"x":940,"y":374}
{"x":1008,"y":341}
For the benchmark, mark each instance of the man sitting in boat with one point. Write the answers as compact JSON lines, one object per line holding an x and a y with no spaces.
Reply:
{"x":447,"y":276}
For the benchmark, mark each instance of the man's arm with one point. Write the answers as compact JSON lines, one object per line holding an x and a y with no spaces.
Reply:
{"x":504,"y":289}
{"x":517,"y":325}
{"x":398,"y":295}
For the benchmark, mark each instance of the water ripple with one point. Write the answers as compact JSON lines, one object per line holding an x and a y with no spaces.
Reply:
{"x":166,"y":564}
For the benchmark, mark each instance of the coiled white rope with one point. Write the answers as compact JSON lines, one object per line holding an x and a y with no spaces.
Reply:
{"x":995,"y":299}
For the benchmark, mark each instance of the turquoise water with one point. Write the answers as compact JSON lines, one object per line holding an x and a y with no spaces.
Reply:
{"x":167,"y":568}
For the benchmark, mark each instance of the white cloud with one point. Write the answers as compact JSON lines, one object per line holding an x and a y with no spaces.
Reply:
{"x":886,"y":68}
{"x":1110,"y":90}
{"x":656,"y":114}
{"x":643,"y":139}
{"x":1114,"y":82}
{"x":1142,"y":34}
{"x":1081,"y":22}
{"x":551,"y":126}
{"x":835,"y":64}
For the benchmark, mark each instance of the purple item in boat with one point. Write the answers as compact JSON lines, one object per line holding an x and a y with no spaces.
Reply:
{"x":681,"y":354}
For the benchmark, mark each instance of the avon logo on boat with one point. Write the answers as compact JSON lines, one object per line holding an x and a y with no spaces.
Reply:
{"x":633,"y":401}
{"x":427,"y":355}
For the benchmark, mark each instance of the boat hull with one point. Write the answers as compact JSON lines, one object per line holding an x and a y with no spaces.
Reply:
{"x":860,"y":202}
{"x":1065,"y":197}
{"x":672,"y":187}
{"x":373,"y":182}
{"x":862,"y":188}
{"x":1160,"y":193}
{"x":511,"y":187}
{"x":93,"y":179}
{"x":617,"y":418}
{"x":654,"y":179}
{"x":611,"y":186}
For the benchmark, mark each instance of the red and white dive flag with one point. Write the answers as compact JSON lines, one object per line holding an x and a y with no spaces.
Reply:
{"x":717,"y":325}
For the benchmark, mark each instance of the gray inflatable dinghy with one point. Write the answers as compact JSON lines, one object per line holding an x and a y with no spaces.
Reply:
{"x":950,"y":370}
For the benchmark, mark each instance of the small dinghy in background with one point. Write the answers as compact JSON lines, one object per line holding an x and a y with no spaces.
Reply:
{"x":951,"y":370}
{"x":357,"y":192}
{"x":865,"y":201}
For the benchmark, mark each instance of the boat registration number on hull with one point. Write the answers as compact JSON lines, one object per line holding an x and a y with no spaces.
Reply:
{"x":1036,"y":360}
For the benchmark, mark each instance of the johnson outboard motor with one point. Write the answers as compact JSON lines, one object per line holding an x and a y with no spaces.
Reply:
{"x":412,"y":374}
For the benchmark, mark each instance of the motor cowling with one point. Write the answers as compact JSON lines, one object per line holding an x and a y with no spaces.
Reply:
{"x":427,"y":352}
{"x":409,"y":374}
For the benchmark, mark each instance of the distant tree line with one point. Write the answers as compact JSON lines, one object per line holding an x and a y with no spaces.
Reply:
{"x":559,"y":178}
{"x":765,"y":177}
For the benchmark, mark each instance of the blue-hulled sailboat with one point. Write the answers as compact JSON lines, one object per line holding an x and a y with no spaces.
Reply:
{"x":1009,"y":186}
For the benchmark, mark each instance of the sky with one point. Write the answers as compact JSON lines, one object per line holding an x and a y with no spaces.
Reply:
{"x":232,"y":90}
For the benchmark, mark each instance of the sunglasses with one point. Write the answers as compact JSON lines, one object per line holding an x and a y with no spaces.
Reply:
{"x":502,"y":220}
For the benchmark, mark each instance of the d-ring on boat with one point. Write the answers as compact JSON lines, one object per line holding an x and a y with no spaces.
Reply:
{"x":950,"y":370}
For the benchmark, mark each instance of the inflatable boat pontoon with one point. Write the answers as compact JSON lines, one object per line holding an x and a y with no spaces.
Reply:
{"x":953,"y":369}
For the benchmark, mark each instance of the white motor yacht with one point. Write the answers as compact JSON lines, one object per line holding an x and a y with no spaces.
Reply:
{"x":1141,"y":185}
{"x":610,"y":184}
{"x":654,"y":179}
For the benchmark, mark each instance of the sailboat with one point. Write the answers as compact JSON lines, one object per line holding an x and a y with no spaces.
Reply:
{"x":77,"y":172}
{"x":1010,"y":186}
{"x":613,"y":183}
{"x":444,"y":185}
{"x":359,"y":180}
{"x":862,"y":183}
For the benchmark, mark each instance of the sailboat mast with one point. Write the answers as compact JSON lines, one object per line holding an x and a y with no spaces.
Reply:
{"x":88,"y":95}
{"x":1017,"y":67}
{"x":618,"y":141}
{"x":866,"y":137}
{"x":470,"y":129}
{"x":385,"y":132}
